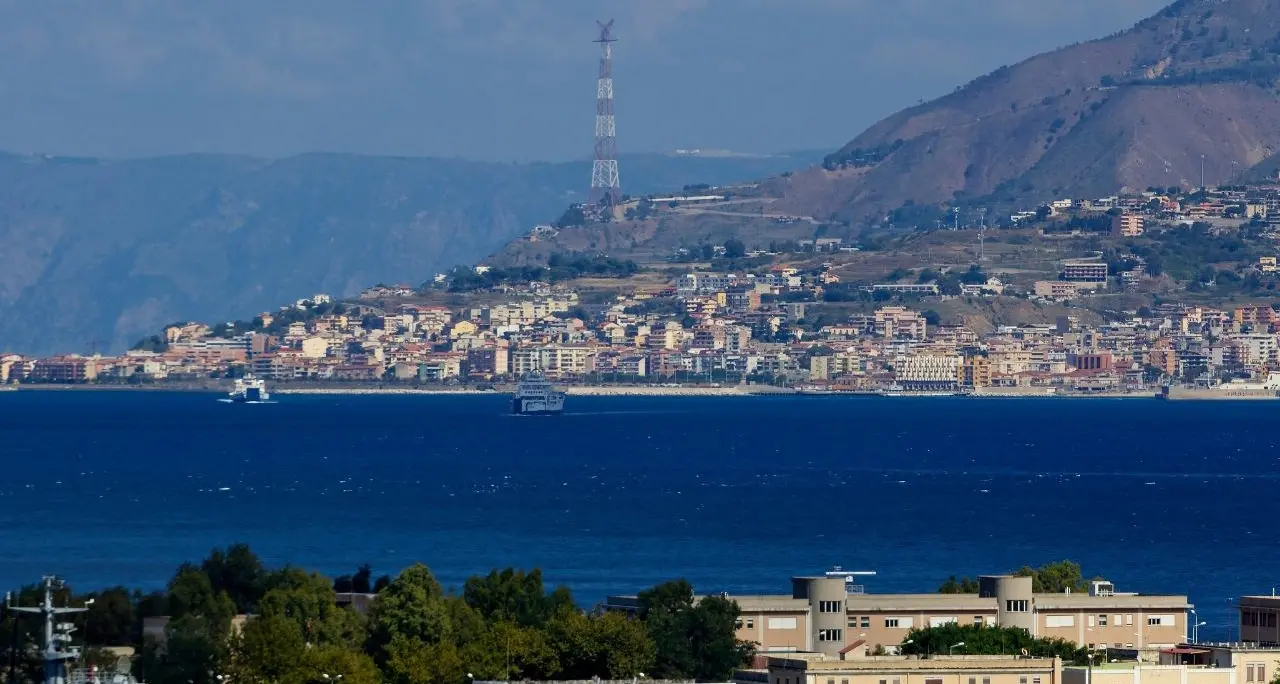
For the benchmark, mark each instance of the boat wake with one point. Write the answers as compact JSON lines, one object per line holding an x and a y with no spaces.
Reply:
{"x":233,"y":401}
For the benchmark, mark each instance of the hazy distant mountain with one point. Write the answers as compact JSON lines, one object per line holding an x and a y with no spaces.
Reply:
{"x":1192,"y":88}
{"x":104,"y":252}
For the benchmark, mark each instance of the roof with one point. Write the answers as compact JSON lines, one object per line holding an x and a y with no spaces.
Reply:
{"x":774,"y":603}
{"x":908,"y":602}
{"x":1121,"y":601}
{"x":1184,"y":650}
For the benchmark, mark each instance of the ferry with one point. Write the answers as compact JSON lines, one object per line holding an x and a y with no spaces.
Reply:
{"x":249,"y":390}
{"x":535,"y":396}
{"x":1266,"y":388}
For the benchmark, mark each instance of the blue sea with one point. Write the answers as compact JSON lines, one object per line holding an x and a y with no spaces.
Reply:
{"x":734,"y":494}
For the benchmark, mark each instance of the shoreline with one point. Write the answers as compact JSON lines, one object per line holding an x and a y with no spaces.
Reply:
{"x":608,"y":391}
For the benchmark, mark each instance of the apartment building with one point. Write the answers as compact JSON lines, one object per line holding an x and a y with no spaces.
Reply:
{"x":908,"y":670}
{"x":1127,"y":225}
{"x":1260,"y":620}
{"x":1085,"y":271}
{"x":824,"y":615}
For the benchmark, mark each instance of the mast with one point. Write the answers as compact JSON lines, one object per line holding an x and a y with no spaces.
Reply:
{"x":57,"y":635}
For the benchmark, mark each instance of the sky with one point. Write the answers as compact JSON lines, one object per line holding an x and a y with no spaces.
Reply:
{"x":505,"y":80}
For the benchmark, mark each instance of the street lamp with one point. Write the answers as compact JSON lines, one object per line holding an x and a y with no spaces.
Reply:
{"x":333,"y":678}
{"x":906,"y":643}
{"x":952,"y":649}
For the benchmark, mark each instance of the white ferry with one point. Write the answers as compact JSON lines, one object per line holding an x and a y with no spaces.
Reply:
{"x":249,"y":390}
{"x":535,"y":395}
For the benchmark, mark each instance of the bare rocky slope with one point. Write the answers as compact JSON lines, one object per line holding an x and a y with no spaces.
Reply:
{"x":1131,"y":110}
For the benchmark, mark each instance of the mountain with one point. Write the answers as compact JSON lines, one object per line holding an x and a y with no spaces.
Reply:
{"x":1132,"y":110}
{"x":100,"y":253}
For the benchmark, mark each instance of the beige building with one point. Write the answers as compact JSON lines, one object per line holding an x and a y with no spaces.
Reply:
{"x":1260,"y":620}
{"x":1135,"y":673}
{"x":823,"y":615}
{"x":912,"y":670}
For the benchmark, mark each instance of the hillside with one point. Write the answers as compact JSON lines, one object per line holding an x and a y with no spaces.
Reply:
{"x":1131,"y":110}
{"x":99,"y":253}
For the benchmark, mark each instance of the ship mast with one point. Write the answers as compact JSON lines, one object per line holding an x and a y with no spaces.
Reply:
{"x":57,"y":635}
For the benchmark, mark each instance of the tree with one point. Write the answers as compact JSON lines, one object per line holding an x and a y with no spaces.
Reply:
{"x":515,"y":596}
{"x":984,"y":640}
{"x":237,"y":571}
{"x":734,"y":249}
{"x":308,"y":601}
{"x":609,"y":646}
{"x":191,"y":593}
{"x":694,"y":639}
{"x":270,"y":649}
{"x":572,"y":217}
{"x":932,"y":317}
{"x":195,"y":651}
{"x":964,"y":585}
{"x":111,"y":618}
{"x":410,"y":611}
{"x":1055,"y":578}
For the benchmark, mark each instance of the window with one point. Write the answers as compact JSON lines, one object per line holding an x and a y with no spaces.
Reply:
{"x":1035,"y":680}
{"x":1102,"y":620}
{"x":986,"y":680}
{"x":1016,"y":606}
{"x":891,"y":622}
{"x":831,"y":680}
{"x":831,"y":635}
{"x":940,"y":621}
{"x":1059,"y":621}
{"x":1249,"y":674}
{"x":973,"y":680}
{"x":737,"y":624}
{"x":1262,"y":673}
{"x":751,"y":623}
{"x":1128,"y":619}
{"x":830,"y":606}
{"x":866,"y":622}
{"x":931,"y":680}
{"x":899,"y":622}
{"x":1115,"y":620}
{"x":977,"y":620}
{"x":1022,"y":679}
{"x":853,"y":623}
{"x":1161,"y":621}
{"x":1090,"y":620}
{"x":782,"y":623}
{"x":844,"y":681}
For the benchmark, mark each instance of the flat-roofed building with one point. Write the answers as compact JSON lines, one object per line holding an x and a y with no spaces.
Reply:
{"x":1260,"y":620}
{"x":1137,"y":673}
{"x":912,"y":670}
{"x":823,"y":615}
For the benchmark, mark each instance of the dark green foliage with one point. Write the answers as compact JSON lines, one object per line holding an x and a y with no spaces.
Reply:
{"x":984,"y":640}
{"x":559,"y":267}
{"x":515,"y":596}
{"x":964,"y":585}
{"x":694,"y":639}
{"x":154,"y":343}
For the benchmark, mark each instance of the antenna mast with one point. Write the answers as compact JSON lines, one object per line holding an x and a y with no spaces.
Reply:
{"x":57,"y":635}
{"x":606,"y":190}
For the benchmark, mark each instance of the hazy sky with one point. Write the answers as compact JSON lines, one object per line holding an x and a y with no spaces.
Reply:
{"x":496,"y":79}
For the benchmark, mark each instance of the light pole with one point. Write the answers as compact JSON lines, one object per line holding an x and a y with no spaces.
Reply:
{"x":907,"y":643}
{"x":951,"y":650}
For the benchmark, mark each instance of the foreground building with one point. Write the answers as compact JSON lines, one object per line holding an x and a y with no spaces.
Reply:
{"x":907,"y":670}
{"x":823,"y":615}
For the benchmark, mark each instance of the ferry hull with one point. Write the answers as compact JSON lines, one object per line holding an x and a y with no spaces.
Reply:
{"x":525,"y":407}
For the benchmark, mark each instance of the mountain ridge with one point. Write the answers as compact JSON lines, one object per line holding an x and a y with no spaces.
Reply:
{"x":100,"y":252}
{"x":1130,"y":110}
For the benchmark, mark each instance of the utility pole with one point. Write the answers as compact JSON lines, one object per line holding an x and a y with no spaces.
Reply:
{"x":606,"y":189}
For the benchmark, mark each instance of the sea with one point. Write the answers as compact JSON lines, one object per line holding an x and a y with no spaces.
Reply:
{"x":734,"y":494}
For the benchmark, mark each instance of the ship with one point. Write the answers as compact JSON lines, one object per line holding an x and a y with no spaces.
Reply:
{"x":535,"y":396}
{"x":249,"y":390}
{"x":1268,"y":388}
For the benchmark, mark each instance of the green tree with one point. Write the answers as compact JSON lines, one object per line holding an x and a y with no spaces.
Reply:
{"x":515,"y":596}
{"x":609,"y":646}
{"x":410,"y":611}
{"x":694,"y":639}
{"x":411,"y":662}
{"x":111,"y":619}
{"x":964,"y":585}
{"x":239,"y":572}
{"x":1055,"y":578}
{"x":984,"y":640}
{"x":506,"y":651}
{"x":307,"y":599}
{"x":191,"y":593}
{"x":269,"y":650}
{"x":195,"y":651}
{"x":734,"y":249}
